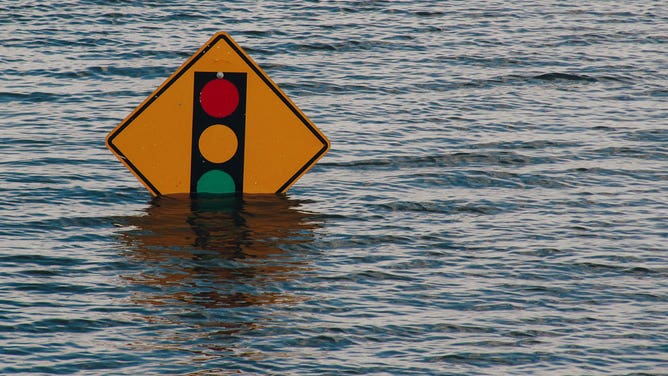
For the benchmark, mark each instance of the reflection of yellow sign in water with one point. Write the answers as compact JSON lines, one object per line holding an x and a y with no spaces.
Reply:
{"x":218,"y":251}
{"x":219,"y":124}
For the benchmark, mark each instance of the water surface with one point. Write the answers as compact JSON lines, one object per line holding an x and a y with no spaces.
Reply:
{"x":494,"y":201}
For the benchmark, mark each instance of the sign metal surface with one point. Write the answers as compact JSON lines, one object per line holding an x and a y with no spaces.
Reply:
{"x":218,"y":124}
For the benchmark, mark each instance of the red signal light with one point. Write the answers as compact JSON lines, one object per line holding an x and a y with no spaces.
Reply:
{"x":219,"y":98}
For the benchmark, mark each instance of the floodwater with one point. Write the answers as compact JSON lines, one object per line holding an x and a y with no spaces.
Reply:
{"x":494,"y":202}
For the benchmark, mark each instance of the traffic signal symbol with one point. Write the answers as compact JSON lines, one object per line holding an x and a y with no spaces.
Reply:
{"x":164,"y":144}
{"x":218,"y":133}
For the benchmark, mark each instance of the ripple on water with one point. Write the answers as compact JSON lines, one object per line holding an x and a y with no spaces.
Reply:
{"x":493,"y":201}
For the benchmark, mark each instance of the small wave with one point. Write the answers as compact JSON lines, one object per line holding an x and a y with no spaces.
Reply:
{"x":521,"y":79}
{"x":564,"y":76}
{"x":447,"y":160}
{"x":528,"y":145}
{"x":658,"y":93}
{"x":558,"y":76}
{"x":146,"y":72}
{"x":34,"y":97}
{"x":449,"y":207}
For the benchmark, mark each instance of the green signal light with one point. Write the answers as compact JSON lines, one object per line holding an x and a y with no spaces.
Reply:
{"x":216,"y":182}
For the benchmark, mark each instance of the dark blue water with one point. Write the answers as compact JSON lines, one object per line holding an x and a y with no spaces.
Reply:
{"x":495,"y":200}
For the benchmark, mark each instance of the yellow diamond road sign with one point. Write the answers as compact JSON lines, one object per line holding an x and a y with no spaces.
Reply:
{"x":219,"y":124}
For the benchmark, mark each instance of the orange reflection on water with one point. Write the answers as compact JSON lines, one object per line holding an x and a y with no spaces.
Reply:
{"x":218,"y":252}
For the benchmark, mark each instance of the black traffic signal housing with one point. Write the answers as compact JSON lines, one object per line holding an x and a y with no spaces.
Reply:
{"x":218,"y":133}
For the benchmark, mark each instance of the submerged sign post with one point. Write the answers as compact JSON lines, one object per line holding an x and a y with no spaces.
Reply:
{"x":218,"y":125}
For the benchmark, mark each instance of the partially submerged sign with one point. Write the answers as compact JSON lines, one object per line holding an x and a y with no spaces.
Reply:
{"x":219,"y":124}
